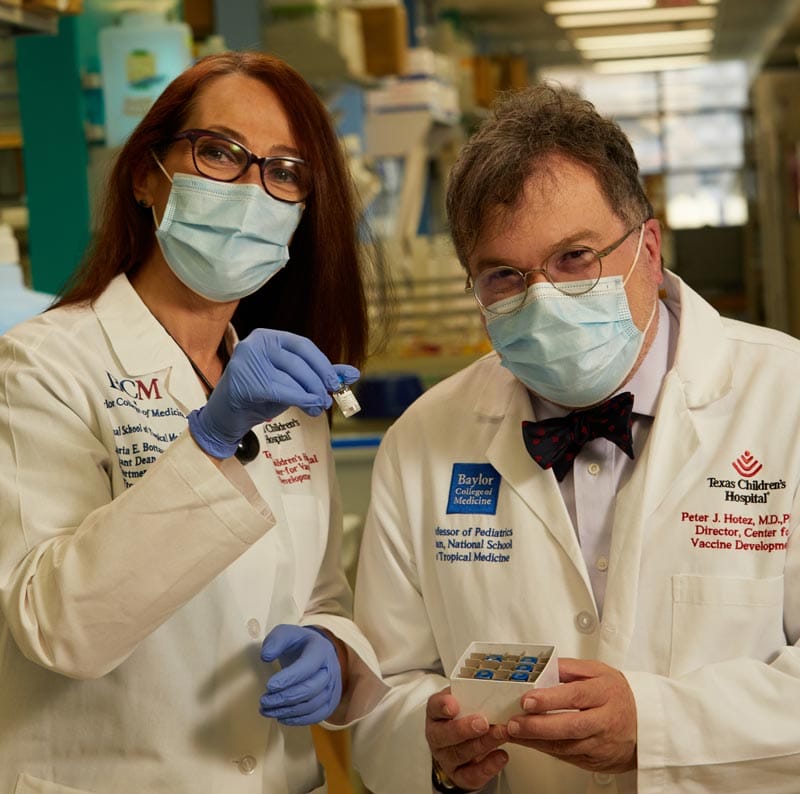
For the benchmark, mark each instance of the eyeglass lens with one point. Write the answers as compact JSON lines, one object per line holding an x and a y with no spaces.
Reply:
{"x":224,"y":160}
{"x":502,"y":290}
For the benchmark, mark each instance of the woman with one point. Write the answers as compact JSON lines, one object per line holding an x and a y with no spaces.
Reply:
{"x":142,"y":562}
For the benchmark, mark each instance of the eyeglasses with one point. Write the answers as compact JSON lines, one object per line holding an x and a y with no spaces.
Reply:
{"x":221,"y":158}
{"x":573,"y":271}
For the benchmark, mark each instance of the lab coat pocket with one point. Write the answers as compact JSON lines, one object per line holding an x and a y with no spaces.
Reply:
{"x":308,"y":530}
{"x":719,"y":618}
{"x":26,"y":784}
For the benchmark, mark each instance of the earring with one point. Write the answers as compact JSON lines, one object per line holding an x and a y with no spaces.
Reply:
{"x":143,"y":203}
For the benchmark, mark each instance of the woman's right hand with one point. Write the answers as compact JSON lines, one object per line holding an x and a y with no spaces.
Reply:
{"x":269,"y":372}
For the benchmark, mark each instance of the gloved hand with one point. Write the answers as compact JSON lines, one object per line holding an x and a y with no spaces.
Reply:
{"x":269,"y":371}
{"x":309,"y":686}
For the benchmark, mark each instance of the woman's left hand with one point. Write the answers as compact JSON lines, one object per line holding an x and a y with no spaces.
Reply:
{"x":308,"y":688}
{"x":269,"y":371}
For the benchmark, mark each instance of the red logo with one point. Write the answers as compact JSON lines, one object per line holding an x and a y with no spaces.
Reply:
{"x":746,"y":465}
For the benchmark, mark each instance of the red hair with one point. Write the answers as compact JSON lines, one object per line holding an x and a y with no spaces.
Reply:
{"x":320,"y":293}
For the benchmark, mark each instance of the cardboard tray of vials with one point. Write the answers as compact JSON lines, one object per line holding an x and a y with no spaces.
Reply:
{"x":490,"y":678}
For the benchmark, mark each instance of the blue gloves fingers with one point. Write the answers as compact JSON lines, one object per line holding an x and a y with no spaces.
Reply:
{"x":291,"y":369}
{"x":304,"y":704}
{"x":309,"y":686}
{"x":301,"y":692}
{"x":269,"y":372}
{"x":346,"y":373}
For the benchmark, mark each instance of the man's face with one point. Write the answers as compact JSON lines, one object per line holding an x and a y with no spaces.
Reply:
{"x":563,"y":207}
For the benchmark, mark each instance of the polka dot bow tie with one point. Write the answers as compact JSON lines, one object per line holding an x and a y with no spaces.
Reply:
{"x":554,"y":443}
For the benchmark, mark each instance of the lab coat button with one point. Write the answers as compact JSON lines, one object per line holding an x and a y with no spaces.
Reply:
{"x":593,"y":469}
{"x":585,"y":622}
{"x":254,"y":628}
{"x":246,"y":764}
{"x":603,"y":778}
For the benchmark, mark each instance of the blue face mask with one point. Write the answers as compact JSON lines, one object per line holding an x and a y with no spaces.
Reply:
{"x":574,"y":350}
{"x":224,"y":240}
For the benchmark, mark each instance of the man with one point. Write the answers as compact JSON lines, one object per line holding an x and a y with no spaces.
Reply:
{"x":662,"y":565}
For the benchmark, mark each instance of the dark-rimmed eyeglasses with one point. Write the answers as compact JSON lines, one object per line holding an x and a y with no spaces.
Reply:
{"x":223,"y":159}
{"x":573,"y":271}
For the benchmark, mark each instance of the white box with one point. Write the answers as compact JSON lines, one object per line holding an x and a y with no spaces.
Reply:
{"x":420,"y":61}
{"x":427,"y":93}
{"x":499,"y":700}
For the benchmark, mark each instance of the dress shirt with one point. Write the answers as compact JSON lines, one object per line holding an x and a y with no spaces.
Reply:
{"x":601,"y":468}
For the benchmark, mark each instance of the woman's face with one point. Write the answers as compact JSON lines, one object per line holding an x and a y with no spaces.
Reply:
{"x":238,"y":107}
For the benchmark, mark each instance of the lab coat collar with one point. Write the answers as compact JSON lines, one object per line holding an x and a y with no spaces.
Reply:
{"x":143,"y":346}
{"x":675,"y":451}
{"x":498,"y":392}
{"x":707,"y":377}
{"x":138,"y":339}
{"x":503,"y":400}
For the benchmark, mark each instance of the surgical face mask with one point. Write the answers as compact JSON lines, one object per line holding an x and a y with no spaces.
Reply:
{"x":574,"y":350}
{"x":224,"y":240}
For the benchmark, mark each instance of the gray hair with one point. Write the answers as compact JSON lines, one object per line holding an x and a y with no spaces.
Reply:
{"x":488,"y":179}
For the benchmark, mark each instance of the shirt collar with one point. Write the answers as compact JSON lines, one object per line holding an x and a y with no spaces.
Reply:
{"x":646,"y":381}
{"x":141,"y":343}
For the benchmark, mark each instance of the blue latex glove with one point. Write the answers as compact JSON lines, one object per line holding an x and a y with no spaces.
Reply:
{"x":269,"y":371}
{"x":309,"y":686}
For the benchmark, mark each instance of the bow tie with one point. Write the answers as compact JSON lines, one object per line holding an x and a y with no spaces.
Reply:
{"x":554,"y":443}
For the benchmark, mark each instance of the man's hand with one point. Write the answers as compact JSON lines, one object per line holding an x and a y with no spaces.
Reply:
{"x":464,"y":747}
{"x":598,"y":732}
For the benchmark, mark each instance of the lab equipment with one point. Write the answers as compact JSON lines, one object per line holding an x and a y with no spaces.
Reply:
{"x":139,"y":57}
{"x":387,"y":395}
{"x":504,"y":667}
{"x":346,"y":400}
{"x":491,"y":678}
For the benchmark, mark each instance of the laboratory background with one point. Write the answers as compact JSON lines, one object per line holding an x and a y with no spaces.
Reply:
{"x":707,"y":91}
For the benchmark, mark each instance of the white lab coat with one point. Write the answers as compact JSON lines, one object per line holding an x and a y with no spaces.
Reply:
{"x":138,"y":581}
{"x":707,"y":637}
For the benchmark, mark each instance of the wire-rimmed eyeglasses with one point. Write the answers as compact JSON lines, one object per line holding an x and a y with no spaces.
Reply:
{"x":218,"y":157}
{"x":573,"y":271}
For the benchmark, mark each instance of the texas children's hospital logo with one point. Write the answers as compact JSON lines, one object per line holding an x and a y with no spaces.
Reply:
{"x":746,"y":488}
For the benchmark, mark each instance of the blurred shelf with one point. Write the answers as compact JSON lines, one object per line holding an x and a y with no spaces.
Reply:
{"x":431,"y":368}
{"x":468,"y":312}
{"x":10,"y":139}
{"x":395,"y":133}
{"x":18,"y":21}
{"x":316,"y":45}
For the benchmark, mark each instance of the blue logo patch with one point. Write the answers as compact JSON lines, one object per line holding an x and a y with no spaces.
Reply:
{"x":474,"y":488}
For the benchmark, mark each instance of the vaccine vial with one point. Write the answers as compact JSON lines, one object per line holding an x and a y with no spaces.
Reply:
{"x":346,"y":400}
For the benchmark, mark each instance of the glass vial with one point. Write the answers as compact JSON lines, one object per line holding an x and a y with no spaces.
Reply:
{"x":346,"y":400}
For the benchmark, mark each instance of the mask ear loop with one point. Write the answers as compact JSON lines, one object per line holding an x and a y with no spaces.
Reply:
{"x":163,"y":171}
{"x":635,"y":259}
{"x":625,"y":281}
